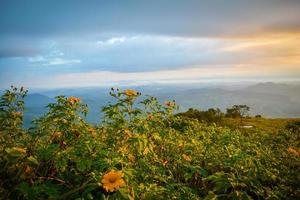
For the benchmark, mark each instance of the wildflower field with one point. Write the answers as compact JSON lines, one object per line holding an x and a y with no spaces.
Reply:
{"x":139,"y":150}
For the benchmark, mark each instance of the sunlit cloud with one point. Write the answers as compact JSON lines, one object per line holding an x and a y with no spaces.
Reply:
{"x":131,"y":42}
{"x":111,"y":41}
{"x":184,"y":75}
{"x":55,"y":57}
{"x":61,"y":61}
{"x":143,"y":59}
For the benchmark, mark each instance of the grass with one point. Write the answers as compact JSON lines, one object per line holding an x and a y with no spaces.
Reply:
{"x":269,"y":125}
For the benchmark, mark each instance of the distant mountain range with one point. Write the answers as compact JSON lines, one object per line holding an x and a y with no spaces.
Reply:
{"x":267,"y":99}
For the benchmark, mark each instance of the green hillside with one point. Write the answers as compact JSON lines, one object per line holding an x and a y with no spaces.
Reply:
{"x":142,"y":150}
{"x":264,"y":124}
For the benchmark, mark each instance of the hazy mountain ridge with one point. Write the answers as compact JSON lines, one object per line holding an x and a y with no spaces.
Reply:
{"x":267,"y":99}
{"x":271,"y":105}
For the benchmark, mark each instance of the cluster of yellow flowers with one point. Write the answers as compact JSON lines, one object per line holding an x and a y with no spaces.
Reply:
{"x":19,"y":150}
{"x":56,"y":135}
{"x":169,"y":103}
{"x":150,"y":117}
{"x":112,"y":181}
{"x":293,"y":151}
{"x":130,"y":93}
{"x":73,"y":100}
{"x":27,"y":169}
{"x":92,"y":131}
{"x":164,"y":162}
{"x":17,"y":114}
{"x":187,"y":157}
{"x":128,"y":134}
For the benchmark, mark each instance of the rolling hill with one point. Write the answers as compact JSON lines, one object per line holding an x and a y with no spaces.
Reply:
{"x":272,"y":100}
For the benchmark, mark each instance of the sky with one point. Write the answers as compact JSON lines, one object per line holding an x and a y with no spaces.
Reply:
{"x":73,"y":43}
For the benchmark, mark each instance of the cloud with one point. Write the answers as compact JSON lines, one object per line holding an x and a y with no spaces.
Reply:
{"x":112,"y":41}
{"x":51,"y":56}
{"x":36,"y":59}
{"x":141,"y":52}
{"x":137,"y":53}
{"x":61,"y":61}
{"x":138,"y":38}
{"x":134,"y":53}
{"x":191,"y":18}
{"x":47,"y":61}
{"x":185,"y":75}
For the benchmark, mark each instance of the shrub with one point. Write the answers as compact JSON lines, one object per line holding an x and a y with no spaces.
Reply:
{"x":138,"y":152}
{"x":212,"y":115}
{"x":293,"y":126}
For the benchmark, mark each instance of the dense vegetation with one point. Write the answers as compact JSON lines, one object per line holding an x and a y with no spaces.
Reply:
{"x":212,"y":115}
{"x":139,"y":153}
{"x":215,"y":115}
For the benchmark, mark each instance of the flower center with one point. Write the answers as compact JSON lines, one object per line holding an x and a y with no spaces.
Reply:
{"x":112,"y":179}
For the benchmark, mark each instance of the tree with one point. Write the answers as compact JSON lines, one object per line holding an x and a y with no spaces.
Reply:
{"x":212,"y":115}
{"x":238,"y":111}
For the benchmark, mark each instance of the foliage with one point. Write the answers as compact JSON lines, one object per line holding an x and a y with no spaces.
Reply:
{"x":212,"y":115}
{"x":139,"y":151}
{"x":294,"y":126}
{"x":238,"y":111}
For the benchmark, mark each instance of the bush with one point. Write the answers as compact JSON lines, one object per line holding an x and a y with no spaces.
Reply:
{"x":293,"y":126}
{"x":138,"y":153}
{"x":238,"y":111}
{"x":212,"y":115}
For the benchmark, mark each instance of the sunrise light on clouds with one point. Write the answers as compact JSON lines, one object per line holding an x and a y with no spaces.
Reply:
{"x":52,"y":45}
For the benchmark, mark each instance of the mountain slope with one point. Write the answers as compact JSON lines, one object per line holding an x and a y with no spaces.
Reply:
{"x":267,"y":99}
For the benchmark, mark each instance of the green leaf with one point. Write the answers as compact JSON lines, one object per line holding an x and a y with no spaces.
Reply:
{"x":33,"y":160}
{"x":211,"y":196}
{"x":83,"y":165}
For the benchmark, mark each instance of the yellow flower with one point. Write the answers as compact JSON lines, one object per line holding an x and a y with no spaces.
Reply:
{"x":27,"y":169}
{"x":156,"y":136}
{"x":127,"y":133}
{"x":17,"y":114}
{"x":146,"y":151}
{"x":130,"y":93}
{"x":56,"y":135}
{"x":150,"y":117}
{"x":27,"y":172}
{"x":186,"y":157}
{"x":19,"y":150}
{"x":293,"y":151}
{"x":123,"y":149}
{"x":164,"y":162}
{"x":169,"y":103}
{"x":73,"y":100}
{"x":112,"y":181}
{"x":92,"y":131}
{"x":131,"y":157}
